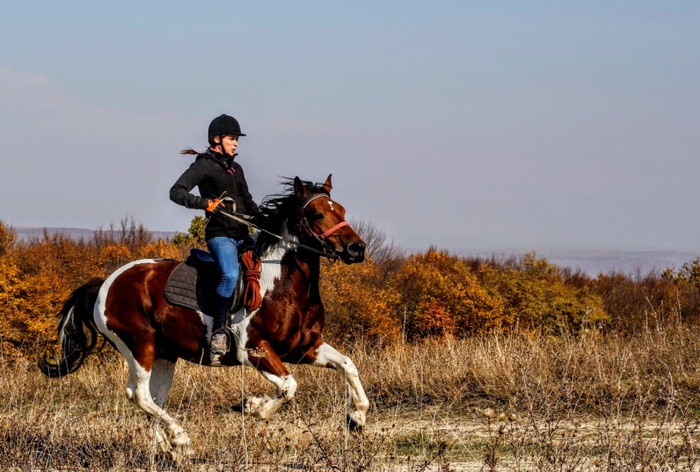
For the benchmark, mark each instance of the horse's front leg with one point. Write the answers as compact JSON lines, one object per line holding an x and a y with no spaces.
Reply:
{"x":271,"y":367}
{"x":358,"y":404}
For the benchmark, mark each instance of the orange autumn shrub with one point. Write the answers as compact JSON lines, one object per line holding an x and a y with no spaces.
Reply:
{"x":439,"y":294}
{"x":38,"y":275}
{"x":35,"y":279}
{"x":159,"y":250}
{"x":535,"y":296}
{"x":357,"y":307}
{"x":13,"y":291}
{"x":114,"y":255}
{"x":435,"y":320}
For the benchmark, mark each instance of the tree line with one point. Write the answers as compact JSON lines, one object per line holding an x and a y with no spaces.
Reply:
{"x":393,"y":296}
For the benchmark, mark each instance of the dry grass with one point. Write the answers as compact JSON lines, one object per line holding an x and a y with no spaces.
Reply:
{"x":490,"y":403}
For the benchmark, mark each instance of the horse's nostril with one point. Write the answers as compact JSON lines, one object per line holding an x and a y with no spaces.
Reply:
{"x":356,"y":249}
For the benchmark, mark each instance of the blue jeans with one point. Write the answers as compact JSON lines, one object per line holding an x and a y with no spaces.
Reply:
{"x":225,"y":253}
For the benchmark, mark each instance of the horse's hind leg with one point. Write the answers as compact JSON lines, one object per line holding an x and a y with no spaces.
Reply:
{"x":139,"y":390}
{"x":162,"y":373}
{"x":358,"y":404}
{"x":161,"y":380}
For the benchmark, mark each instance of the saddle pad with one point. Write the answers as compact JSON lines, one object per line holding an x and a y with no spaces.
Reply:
{"x":193,"y":285}
{"x":180,"y":289}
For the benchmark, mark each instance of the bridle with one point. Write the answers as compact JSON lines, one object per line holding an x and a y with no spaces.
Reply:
{"x":305,"y":226}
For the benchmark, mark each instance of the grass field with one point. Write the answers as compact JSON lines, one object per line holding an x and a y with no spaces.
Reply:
{"x":510,"y":402}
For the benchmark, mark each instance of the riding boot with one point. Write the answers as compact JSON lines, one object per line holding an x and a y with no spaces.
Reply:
{"x":219,"y":340}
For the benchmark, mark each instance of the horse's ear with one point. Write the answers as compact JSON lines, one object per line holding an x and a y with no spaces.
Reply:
{"x":299,"y":189}
{"x":327,"y":186}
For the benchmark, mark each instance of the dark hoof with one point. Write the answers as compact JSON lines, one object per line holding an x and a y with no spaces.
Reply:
{"x":352,"y":425}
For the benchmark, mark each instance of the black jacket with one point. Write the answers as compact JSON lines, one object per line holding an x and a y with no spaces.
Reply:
{"x":215,"y":175}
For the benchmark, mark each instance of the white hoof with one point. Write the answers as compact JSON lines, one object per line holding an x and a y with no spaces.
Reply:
{"x":180,"y":439}
{"x":356,"y":420}
{"x":161,"y":441}
{"x":253,"y":405}
{"x":262,"y":407}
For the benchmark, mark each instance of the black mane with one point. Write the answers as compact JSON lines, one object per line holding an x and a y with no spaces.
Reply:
{"x":283,"y":208}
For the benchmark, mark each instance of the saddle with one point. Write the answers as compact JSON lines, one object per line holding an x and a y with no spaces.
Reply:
{"x":192,"y":284}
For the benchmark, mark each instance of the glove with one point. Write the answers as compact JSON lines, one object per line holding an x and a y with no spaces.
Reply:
{"x":213,"y":204}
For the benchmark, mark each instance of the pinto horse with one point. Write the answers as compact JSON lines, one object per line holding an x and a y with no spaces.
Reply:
{"x":130,"y":311}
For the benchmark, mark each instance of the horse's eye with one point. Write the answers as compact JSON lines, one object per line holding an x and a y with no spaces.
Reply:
{"x":316,"y":216}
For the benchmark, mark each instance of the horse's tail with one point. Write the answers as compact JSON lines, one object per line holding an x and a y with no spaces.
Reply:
{"x":77,"y":312}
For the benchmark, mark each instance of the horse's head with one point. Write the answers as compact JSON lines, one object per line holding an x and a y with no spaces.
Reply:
{"x":322,"y":222}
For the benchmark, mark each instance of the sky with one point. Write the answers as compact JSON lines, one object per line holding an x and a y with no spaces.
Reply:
{"x":455,"y":124}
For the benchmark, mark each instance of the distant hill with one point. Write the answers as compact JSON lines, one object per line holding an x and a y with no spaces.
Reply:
{"x":24,"y":234}
{"x":594,"y":262}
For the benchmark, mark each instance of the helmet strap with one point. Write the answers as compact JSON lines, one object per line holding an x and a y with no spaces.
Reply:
{"x":217,"y":147}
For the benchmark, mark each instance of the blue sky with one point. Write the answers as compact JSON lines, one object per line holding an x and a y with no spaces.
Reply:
{"x":459,"y":124}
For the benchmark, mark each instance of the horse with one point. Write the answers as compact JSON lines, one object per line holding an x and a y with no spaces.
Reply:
{"x":129,"y":310}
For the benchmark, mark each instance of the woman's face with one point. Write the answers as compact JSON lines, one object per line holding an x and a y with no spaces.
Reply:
{"x":229,"y":143}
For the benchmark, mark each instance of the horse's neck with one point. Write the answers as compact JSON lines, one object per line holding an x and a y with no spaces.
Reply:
{"x":284,"y":260}
{"x":288,"y":254}
{"x":277,"y":251}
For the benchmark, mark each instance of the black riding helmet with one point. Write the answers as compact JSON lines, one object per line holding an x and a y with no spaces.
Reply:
{"x":222,"y":125}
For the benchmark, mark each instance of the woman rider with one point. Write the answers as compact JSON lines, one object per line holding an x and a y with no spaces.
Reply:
{"x":222,"y":185}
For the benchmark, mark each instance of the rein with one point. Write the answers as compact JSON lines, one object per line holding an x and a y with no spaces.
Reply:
{"x":327,"y":251}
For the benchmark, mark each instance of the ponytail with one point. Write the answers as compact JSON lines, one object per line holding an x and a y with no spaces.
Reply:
{"x":188,"y":151}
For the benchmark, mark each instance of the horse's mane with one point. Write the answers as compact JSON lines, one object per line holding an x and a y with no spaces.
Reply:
{"x":279,"y":208}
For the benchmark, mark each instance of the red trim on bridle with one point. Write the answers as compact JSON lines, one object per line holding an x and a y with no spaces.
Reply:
{"x":333,"y":229}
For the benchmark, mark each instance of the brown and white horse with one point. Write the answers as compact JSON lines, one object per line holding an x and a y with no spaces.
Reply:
{"x":129,"y":309}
